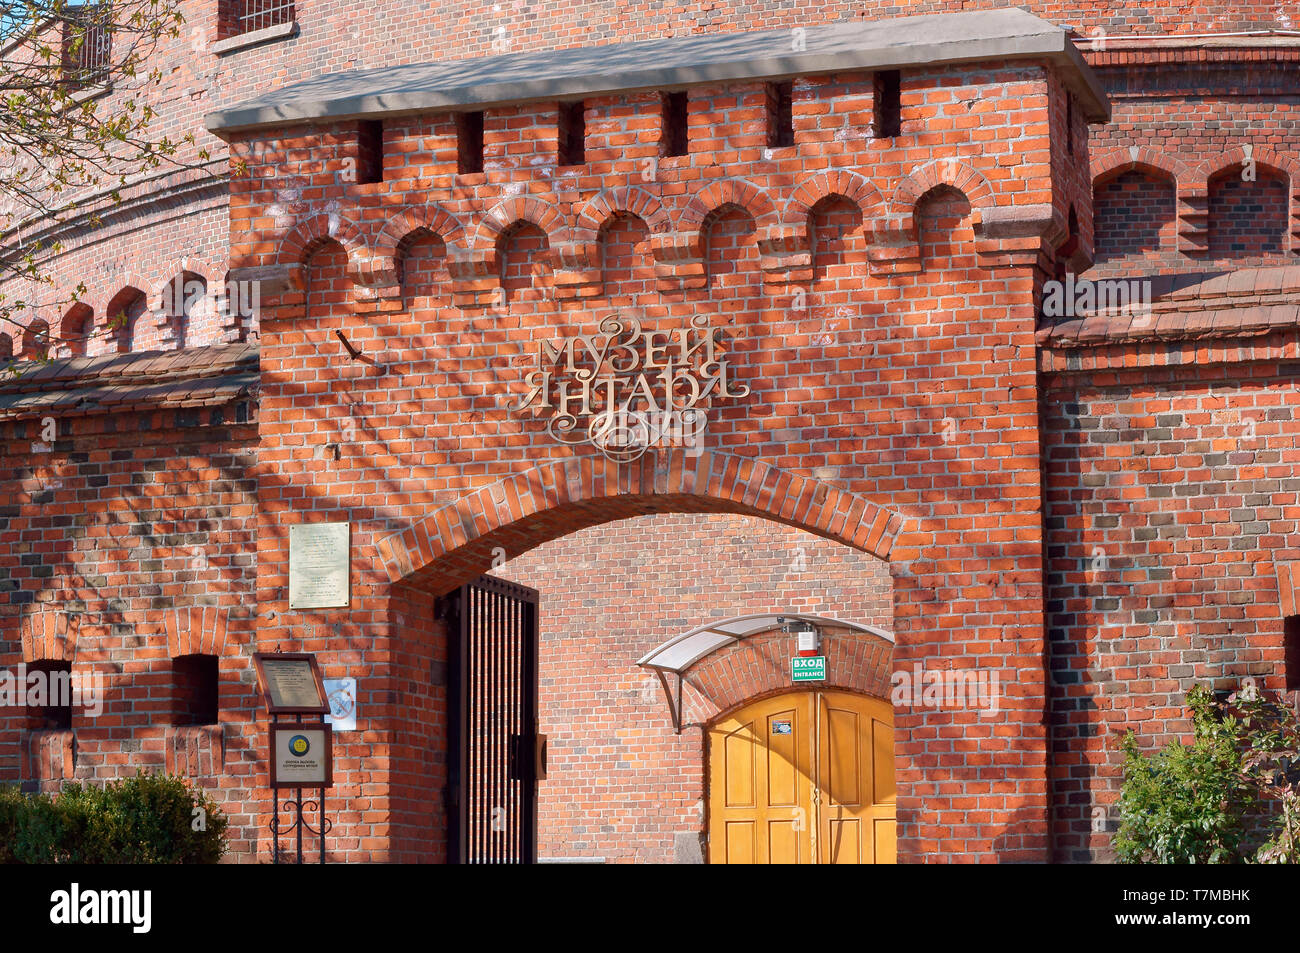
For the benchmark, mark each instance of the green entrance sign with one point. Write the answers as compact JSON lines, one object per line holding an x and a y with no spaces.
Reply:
{"x":808,"y":668}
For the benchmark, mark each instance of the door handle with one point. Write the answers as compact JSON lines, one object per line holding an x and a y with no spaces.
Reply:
{"x":519,"y":756}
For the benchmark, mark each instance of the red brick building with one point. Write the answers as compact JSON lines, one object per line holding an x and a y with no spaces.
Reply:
{"x":930,"y":425}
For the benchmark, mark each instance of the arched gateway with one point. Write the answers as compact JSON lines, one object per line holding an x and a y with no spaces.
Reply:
{"x":835,"y":333}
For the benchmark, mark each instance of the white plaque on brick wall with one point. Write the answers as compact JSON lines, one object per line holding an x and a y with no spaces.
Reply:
{"x":319,"y":565}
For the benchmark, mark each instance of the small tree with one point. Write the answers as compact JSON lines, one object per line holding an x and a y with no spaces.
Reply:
{"x":65,"y":150}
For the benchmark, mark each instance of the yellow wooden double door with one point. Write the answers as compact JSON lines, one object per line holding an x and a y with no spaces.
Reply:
{"x":803,"y":778}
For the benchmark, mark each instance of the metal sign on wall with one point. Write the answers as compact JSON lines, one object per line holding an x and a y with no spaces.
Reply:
{"x":302,"y":756}
{"x":342,"y":696}
{"x":808,"y":668}
{"x":626,"y":389}
{"x":319,"y":567}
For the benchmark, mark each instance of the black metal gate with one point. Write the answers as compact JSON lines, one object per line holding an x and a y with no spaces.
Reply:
{"x":495,"y":754}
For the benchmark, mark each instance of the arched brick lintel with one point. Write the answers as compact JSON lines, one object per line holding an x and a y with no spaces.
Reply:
{"x":951,"y":172}
{"x":832,"y":183}
{"x":519,"y":208}
{"x":308,"y":235}
{"x":604,"y":206}
{"x":196,"y":630}
{"x":1260,"y":155}
{"x":49,"y":635}
{"x":461,"y":540}
{"x":113,"y":291}
{"x":723,"y":192}
{"x":1149,"y":162}
{"x":174,"y":271}
{"x":415,"y":218}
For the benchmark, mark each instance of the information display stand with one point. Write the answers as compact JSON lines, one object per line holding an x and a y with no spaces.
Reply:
{"x":301,"y":750}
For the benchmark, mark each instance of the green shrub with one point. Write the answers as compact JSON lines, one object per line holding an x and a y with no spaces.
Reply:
{"x":147,"y":819}
{"x":1185,"y":804}
{"x":1231,"y":796}
{"x":12,"y":805}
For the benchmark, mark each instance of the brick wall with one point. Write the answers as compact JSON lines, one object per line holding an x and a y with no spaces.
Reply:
{"x":1249,"y":220}
{"x":1170,"y":497}
{"x":864,"y":445}
{"x":1219,"y":128}
{"x":187,"y":208}
{"x":124,"y":543}
{"x":1136,"y":221}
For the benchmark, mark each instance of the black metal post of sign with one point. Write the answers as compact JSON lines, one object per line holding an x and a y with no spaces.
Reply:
{"x":298,"y":820}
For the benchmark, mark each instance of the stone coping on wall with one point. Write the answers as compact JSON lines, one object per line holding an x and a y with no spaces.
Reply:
{"x":674,"y":62}
{"x":191,"y":377}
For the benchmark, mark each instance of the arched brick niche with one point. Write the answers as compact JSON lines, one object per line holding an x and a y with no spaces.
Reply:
{"x":524,"y":263}
{"x":1249,"y":215}
{"x":1136,"y":217}
{"x":75,"y":329}
{"x":943,"y":221}
{"x":421,"y":264}
{"x":122,"y":331}
{"x":626,"y":262}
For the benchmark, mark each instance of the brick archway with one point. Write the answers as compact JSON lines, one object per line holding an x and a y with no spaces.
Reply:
{"x":464,"y":539}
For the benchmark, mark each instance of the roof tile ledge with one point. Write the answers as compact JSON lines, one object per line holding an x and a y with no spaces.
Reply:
{"x":1190,"y":306}
{"x":193,"y":377}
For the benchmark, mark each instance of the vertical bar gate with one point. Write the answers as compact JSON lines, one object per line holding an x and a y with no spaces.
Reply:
{"x":494,"y":751}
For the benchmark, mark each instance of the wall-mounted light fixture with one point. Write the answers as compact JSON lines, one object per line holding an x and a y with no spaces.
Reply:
{"x":807,"y":635}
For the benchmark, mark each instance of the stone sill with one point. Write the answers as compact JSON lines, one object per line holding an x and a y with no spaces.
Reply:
{"x":571,"y":860}
{"x":91,"y":92}
{"x":244,"y":40}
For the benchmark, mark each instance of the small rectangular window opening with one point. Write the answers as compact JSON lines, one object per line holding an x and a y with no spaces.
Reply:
{"x":675,"y":141}
{"x":252,"y":15}
{"x":87,"y":45}
{"x":370,"y":151}
{"x":888,"y":103}
{"x":469,"y":143}
{"x":55,"y":714}
{"x":780,"y":115}
{"x":194,"y":680}
{"x":572,"y":134}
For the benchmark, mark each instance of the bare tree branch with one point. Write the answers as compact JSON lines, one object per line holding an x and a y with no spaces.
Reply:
{"x":66,"y":149}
